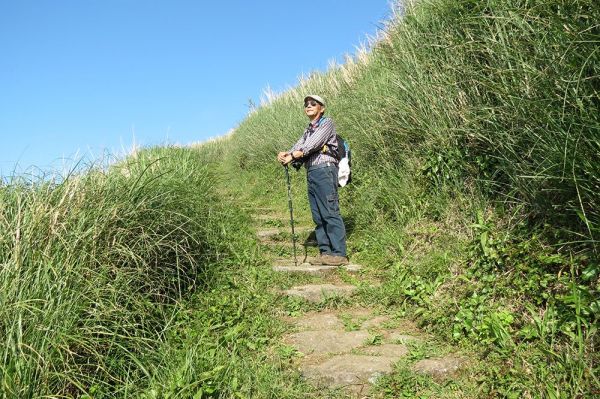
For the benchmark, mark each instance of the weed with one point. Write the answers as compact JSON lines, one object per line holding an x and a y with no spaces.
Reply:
{"x":351,"y":323}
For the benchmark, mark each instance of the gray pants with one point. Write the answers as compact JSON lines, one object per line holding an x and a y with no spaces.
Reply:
{"x":325,"y":208}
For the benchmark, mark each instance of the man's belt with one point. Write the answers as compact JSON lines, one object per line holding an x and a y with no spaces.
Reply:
{"x":321,"y":165}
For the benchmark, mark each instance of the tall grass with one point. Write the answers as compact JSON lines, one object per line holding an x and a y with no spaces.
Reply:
{"x":506,"y":89}
{"x":474,"y":127}
{"x":475,"y":130}
{"x":90,"y":264}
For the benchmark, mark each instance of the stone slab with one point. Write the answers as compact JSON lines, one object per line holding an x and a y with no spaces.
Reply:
{"x":300,"y":245}
{"x":303,"y":261}
{"x":375,"y":322}
{"x":398,"y":337}
{"x":287,"y":266}
{"x":318,"y":322}
{"x":353,"y":372}
{"x":266,"y":233}
{"x":440,"y":368}
{"x":393,"y":351}
{"x":318,"y":292}
{"x":271,"y":217}
{"x":327,"y":341}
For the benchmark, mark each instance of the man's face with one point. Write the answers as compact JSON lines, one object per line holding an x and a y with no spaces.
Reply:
{"x":312,"y":108}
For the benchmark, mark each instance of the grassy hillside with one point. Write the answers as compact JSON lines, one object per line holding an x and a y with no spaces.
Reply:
{"x":476,"y":138}
{"x":475,"y":129}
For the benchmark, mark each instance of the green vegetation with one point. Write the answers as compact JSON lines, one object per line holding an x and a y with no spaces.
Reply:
{"x":476,"y":135}
{"x":475,"y":130}
{"x":90,"y":265}
{"x":126,"y":282}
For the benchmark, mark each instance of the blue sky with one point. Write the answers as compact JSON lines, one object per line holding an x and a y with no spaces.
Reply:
{"x":84,"y":76}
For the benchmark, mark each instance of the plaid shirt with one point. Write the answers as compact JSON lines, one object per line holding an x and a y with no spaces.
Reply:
{"x":315,"y":136}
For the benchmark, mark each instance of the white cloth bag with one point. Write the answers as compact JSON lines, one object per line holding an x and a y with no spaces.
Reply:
{"x":343,"y":172}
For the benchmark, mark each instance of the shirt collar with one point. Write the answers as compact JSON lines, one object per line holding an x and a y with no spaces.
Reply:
{"x":314,"y":125}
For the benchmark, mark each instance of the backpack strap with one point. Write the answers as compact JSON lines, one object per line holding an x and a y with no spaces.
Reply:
{"x":341,"y":149}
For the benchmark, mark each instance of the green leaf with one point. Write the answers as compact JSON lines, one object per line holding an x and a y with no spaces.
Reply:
{"x":590,"y":272}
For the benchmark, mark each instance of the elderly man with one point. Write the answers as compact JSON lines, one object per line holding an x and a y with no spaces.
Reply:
{"x":317,"y":149}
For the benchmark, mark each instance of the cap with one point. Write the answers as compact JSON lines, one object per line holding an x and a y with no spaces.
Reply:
{"x":318,"y":99}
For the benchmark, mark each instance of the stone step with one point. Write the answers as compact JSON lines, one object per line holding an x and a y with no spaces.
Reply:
{"x":268,"y":233}
{"x":334,"y":357}
{"x":305,"y":266}
{"x":266,"y":217}
{"x":324,"y":342}
{"x":303,"y":253}
{"x":354,"y":373}
{"x":320,"y":292}
{"x":358,"y":319}
{"x":318,"y":321}
{"x":289,"y":243}
{"x":279,"y":218}
{"x":440,"y":368}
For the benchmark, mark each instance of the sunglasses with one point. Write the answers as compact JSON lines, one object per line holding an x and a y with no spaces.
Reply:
{"x":311,"y":103}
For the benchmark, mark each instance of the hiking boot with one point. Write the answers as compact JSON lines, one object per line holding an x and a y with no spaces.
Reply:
{"x":317,"y":260}
{"x":334,"y":260}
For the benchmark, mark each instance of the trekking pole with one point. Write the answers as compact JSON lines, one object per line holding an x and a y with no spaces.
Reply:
{"x":289,"y":190}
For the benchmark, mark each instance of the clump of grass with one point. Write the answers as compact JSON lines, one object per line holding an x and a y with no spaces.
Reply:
{"x":90,"y":266}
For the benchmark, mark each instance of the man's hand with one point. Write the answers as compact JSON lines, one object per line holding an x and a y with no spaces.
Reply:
{"x":297,"y":154}
{"x":284,"y":158}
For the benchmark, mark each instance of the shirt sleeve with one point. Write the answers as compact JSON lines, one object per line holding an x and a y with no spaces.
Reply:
{"x":298,"y":144}
{"x":318,"y":139}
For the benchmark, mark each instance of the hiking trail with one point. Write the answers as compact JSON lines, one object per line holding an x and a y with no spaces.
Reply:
{"x":339,"y":344}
